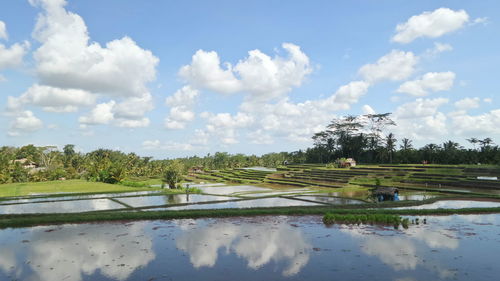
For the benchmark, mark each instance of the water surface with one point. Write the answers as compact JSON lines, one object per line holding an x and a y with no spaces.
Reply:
{"x":257,"y":248}
{"x":61,"y":206}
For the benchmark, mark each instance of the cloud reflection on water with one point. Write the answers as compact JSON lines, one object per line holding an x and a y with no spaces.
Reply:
{"x":258,"y":244}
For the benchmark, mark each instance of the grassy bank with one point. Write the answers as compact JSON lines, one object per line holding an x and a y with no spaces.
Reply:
{"x":41,"y":219}
{"x":67,"y":186}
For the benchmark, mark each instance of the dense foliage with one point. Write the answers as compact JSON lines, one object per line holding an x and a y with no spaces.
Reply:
{"x":362,"y":138}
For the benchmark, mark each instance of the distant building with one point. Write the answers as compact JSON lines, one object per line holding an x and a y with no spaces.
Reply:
{"x":27,"y":164}
{"x":350,"y":162}
{"x":346,"y":162}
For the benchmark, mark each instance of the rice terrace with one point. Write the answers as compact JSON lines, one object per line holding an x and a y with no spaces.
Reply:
{"x":247,"y":140}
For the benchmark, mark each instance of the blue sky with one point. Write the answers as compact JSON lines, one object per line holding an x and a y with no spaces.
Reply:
{"x":178,"y":78}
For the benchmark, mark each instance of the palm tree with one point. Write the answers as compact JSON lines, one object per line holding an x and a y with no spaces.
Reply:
{"x":450,"y":145}
{"x":473,"y":141}
{"x":390,"y":145}
{"x":407,"y":144}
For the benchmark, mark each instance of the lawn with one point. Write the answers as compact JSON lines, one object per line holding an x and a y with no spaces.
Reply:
{"x":68,"y":186}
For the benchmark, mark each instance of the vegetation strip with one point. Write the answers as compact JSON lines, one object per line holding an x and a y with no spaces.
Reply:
{"x":330,"y":218}
{"x":41,"y":219}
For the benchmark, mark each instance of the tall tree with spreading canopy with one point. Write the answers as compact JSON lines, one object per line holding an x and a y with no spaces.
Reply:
{"x":173,"y":174}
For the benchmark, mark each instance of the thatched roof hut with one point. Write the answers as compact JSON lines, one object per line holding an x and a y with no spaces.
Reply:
{"x":386,"y":194}
{"x":385,"y":191}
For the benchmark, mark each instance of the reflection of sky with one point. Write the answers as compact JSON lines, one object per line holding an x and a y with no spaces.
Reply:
{"x":462,"y":247}
{"x":263,"y":202}
{"x":230,"y":189}
{"x":455,"y":204}
{"x":257,"y":244}
{"x":144,"y":201}
{"x":72,"y":251}
{"x":61,"y":206}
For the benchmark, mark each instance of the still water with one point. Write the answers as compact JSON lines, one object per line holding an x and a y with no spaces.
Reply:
{"x":264,"y":248}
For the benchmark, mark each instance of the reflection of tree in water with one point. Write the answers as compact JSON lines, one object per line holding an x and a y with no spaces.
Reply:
{"x":72,"y":251}
{"x":258,"y":244}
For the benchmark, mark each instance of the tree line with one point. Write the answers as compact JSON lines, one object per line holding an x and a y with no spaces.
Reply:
{"x":362,"y":137}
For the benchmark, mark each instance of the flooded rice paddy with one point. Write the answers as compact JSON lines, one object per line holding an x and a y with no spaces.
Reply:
{"x":214,"y":196}
{"x":456,"y":204}
{"x":74,"y":206}
{"x":459,"y":247}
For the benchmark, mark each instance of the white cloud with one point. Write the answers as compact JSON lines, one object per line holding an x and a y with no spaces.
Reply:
{"x":24,"y":122}
{"x":483,"y":20}
{"x":467,"y":103}
{"x":345,"y":96}
{"x":431,"y":81}
{"x":262,"y":77}
{"x":65,"y":58}
{"x":430,"y":24}
{"x":3,"y":31}
{"x":485,"y":124}
{"x":368,"y":109}
{"x":133,"y":123}
{"x":419,"y":108}
{"x":397,"y":65}
{"x":73,"y":71}
{"x":437,"y":49}
{"x":52,"y":99}
{"x":186,"y":96}
{"x":205,"y":72}
{"x":134,"y":107}
{"x":101,"y":114}
{"x":421,"y":120}
{"x":13,"y":56}
{"x":181,"y":103}
{"x":171,"y":146}
{"x":488,"y":100}
{"x":178,"y":118}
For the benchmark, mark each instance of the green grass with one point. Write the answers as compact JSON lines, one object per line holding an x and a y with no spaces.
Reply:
{"x":68,"y":186}
{"x":390,"y":219}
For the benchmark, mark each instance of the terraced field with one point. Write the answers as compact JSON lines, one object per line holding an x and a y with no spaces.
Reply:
{"x":433,"y":178}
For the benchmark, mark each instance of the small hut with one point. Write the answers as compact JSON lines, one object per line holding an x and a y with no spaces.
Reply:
{"x":346,"y":162}
{"x":386,"y":194}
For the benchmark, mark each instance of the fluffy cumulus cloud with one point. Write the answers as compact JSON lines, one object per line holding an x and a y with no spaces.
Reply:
{"x":74,"y":72}
{"x":52,"y":99}
{"x":265,"y":121}
{"x":467,"y":103}
{"x":100,"y":114}
{"x":345,"y":96}
{"x":483,"y":125}
{"x":431,"y":81}
{"x":11,"y":56}
{"x":395,"y":66}
{"x":181,"y":105}
{"x":430,"y":24}
{"x":261,"y":76}
{"x":419,"y":108}
{"x":24,"y":122}
{"x":421,"y":119}
{"x":224,"y":125}
{"x":67,"y":59}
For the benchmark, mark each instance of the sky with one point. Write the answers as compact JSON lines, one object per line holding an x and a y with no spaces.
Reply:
{"x":180,"y":78}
